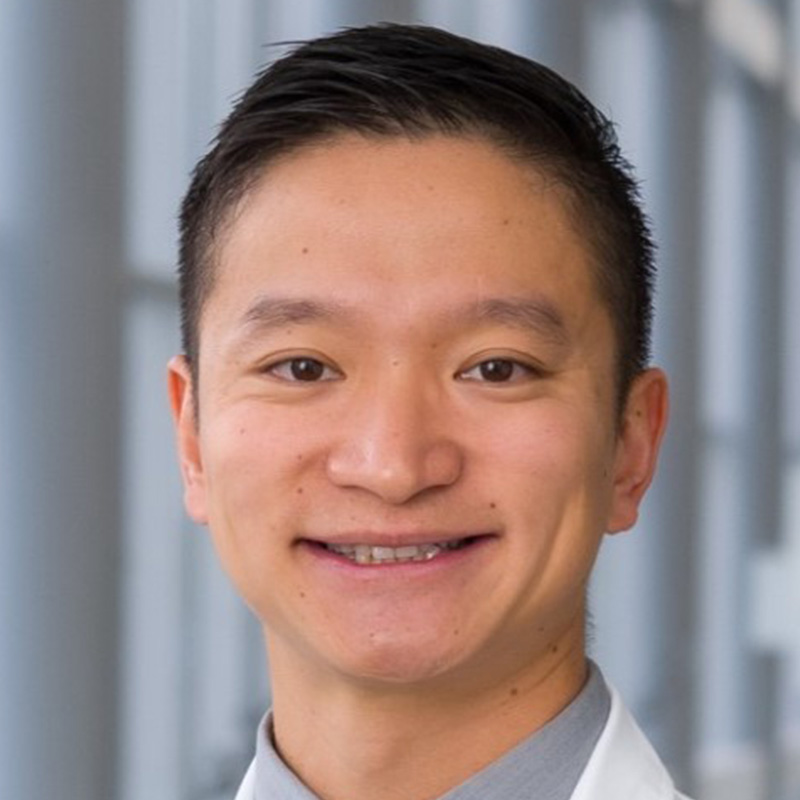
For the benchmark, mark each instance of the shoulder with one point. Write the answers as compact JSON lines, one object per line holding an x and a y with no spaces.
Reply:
{"x":624,"y":763}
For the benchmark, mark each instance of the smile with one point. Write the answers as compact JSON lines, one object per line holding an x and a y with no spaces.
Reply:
{"x":379,"y":554}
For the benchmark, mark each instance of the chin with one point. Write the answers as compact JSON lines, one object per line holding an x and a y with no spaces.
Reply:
{"x":399,"y":662}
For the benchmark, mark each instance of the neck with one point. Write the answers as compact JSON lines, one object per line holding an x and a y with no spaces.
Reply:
{"x":361,"y":741}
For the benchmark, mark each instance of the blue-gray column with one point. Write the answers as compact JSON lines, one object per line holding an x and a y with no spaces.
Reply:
{"x":61,"y":104}
{"x":645,"y":67}
{"x":742,"y":402}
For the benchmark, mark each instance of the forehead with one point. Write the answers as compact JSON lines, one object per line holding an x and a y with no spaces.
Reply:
{"x":437,"y":217}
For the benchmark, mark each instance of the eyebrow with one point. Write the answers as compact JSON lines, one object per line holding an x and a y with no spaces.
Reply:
{"x":536,"y":314}
{"x":275,"y":312}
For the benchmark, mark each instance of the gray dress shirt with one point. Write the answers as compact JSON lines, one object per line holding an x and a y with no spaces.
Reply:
{"x":545,"y":766}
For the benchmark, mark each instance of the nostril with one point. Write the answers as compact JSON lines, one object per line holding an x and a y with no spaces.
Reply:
{"x":444,"y":463}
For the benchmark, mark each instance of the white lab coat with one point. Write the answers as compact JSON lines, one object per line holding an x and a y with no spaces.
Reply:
{"x":623,"y":766}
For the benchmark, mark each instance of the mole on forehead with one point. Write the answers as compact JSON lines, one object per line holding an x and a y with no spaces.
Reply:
{"x":536,"y":314}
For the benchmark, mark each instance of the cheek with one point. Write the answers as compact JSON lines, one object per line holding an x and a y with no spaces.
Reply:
{"x":552,"y":469}
{"x":548,"y":445}
{"x":251,"y":455}
{"x":248,"y":467}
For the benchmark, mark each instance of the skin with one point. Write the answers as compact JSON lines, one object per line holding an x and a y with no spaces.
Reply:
{"x":456,"y":371}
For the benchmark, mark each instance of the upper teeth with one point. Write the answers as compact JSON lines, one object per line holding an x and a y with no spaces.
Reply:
{"x":374,"y":554}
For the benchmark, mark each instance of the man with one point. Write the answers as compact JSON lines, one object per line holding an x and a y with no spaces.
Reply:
{"x":415,"y":283}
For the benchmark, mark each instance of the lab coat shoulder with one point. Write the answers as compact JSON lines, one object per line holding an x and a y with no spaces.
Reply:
{"x":624,"y":765}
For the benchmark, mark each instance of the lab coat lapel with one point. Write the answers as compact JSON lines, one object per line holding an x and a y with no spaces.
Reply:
{"x":624,"y":764}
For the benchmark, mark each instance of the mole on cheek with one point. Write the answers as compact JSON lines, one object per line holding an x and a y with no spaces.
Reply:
{"x":300,"y":490}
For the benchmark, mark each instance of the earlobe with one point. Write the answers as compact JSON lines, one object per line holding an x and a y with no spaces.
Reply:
{"x":180,"y":386}
{"x":638,"y":444}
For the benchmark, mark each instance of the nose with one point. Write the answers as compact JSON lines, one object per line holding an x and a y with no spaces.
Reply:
{"x":395,"y":444}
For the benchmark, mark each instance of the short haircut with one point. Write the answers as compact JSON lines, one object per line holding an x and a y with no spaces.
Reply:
{"x":415,"y":82}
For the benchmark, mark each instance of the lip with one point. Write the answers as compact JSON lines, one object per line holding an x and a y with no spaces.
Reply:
{"x":316,"y":549}
{"x":393,"y":539}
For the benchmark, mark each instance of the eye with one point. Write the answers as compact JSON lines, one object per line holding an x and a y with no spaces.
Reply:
{"x":498,"y":370}
{"x":302,"y":370}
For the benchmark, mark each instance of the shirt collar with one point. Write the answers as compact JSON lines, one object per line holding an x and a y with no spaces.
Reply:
{"x":549,"y":762}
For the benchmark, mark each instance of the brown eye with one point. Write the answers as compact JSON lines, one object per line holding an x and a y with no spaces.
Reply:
{"x":302,"y":370}
{"x":306,"y":369}
{"x":497,"y":370}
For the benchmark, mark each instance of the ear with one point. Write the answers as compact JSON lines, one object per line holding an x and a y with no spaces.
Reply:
{"x":182,"y":401}
{"x":638,"y":443}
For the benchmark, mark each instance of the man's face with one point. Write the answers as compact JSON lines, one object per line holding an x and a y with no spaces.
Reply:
{"x":407,"y":449}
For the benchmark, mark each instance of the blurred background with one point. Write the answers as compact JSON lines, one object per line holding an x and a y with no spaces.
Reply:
{"x":128,"y":668}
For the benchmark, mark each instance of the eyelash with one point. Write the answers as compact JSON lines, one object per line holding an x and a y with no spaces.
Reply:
{"x":295,"y":363}
{"x":527,"y":371}
{"x":511,"y":370}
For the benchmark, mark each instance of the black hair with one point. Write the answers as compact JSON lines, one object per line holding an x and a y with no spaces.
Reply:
{"x":393,"y":80}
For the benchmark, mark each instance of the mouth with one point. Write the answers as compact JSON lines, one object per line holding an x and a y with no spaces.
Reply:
{"x":365,"y":554}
